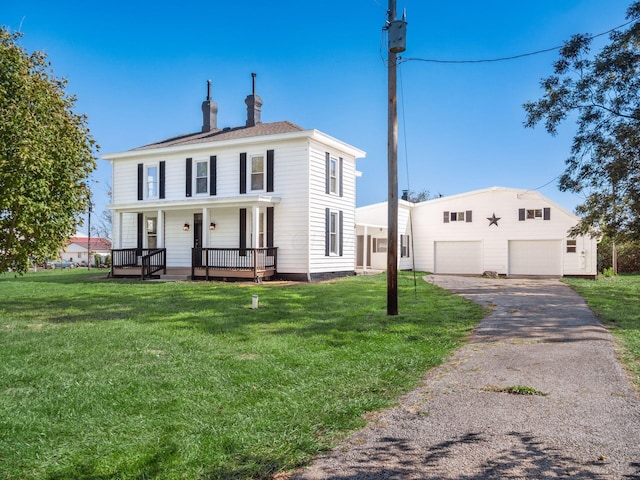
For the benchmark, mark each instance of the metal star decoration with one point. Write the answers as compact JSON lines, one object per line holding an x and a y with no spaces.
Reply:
{"x":493,"y":220}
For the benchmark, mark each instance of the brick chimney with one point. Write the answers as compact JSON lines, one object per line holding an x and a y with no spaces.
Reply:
{"x":209,"y":112}
{"x":254,"y":105}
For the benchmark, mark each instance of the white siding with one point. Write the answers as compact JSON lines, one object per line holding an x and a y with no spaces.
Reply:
{"x":291,"y":217}
{"x":429,"y":227}
{"x":320,"y":201}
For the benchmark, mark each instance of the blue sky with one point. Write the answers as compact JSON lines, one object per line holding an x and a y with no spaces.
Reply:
{"x":139,"y":70}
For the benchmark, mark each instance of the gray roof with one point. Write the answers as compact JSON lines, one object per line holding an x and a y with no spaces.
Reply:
{"x":218,"y":135}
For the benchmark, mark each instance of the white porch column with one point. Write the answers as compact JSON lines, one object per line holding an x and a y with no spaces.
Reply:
{"x":365,"y":250}
{"x":206,"y":233}
{"x":117,"y":237}
{"x":255,"y":226}
{"x":160,"y":227}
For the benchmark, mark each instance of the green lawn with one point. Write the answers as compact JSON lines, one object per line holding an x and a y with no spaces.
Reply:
{"x":616,"y":301}
{"x":105,"y":379}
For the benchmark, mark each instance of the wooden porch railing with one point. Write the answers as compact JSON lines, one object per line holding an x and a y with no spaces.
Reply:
{"x":148,"y":260}
{"x":230,"y":261}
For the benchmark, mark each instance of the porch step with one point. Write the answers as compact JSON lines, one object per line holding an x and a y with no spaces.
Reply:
{"x":173,"y":278}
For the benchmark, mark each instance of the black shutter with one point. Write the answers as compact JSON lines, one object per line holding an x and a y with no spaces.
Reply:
{"x":521,"y":214}
{"x":188,"y":181}
{"x":270,"y":170}
{"x":446,"y":217}
{"x":242,"y":241}
{"x":162,"y":176}
{"x":340,"y":224}
{"x":408,"y":245}
{"x":140,"y":232}
{"x":467,"y":216}
{"x":213,"y":174}
{"x":270,"y":227}
{"x":327,"y":233}
{"x":340,"y":173}
{"x":401,"y":246}
{"x":243,"y":173}
{"x":547,"y":214}
{"x":140,"y":181}
{"x":327,"y":170}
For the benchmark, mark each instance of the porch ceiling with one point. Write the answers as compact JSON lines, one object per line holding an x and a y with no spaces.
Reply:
{"x":209,"y":202}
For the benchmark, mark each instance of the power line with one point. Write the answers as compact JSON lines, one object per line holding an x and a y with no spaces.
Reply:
{"x":512,"y":57}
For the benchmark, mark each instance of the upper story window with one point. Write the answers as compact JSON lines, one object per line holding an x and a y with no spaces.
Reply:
{"x":257,"y":172}
{"x":202,"y":177}
{"x":151,"y":184}
{"x":333,"y":175}
{"x":151,"y":176}
{"x":534,"y":214}
{"x":465,"y":216}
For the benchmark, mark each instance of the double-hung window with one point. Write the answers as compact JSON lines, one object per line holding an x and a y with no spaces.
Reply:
{"x":333,"y":233}
{"x":202,"y":176}
{"x":257,"y":172}
{"x":151,"y":181}
{"x":333,"y":175}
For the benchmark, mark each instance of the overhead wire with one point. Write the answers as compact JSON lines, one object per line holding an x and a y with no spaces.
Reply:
{"x":512,"y":57}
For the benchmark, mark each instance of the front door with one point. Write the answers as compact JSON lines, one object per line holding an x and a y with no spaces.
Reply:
{"x":197,"y":230}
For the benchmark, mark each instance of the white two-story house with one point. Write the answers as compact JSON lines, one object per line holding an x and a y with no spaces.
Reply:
{"x":254,"y":201}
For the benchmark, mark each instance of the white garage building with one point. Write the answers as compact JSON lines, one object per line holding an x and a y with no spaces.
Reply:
{"x":503,"y":230}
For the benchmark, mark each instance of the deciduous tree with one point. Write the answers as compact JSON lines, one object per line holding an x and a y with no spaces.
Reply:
{"x":46,"y":157}
{"x":602,"y":93}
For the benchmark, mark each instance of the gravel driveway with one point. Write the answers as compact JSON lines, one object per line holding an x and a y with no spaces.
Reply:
{"x":458,"y":425}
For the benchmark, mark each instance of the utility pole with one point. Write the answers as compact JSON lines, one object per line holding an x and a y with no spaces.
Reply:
{"x":397,"y":44}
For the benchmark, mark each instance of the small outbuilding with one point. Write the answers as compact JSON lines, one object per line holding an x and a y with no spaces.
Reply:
{"x":503,"y":230}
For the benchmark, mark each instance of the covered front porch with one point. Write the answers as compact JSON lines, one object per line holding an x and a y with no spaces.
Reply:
{"x":209,"y":239}
{"x":207,"y":263}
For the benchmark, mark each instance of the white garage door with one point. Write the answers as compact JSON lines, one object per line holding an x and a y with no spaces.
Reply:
{"x":535,"y":257}
{"x":458,"y":257}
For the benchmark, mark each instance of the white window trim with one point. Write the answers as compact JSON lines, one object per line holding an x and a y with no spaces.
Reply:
{"x":535,"y":216}
{"x":195,"y":177}
{"x":250,"y":170}
{"x":460,"y":216}
{"x":379,"y":245}
{"x":334,"y":174}
{"x":146,"y":183}
{"x":334,"y":234}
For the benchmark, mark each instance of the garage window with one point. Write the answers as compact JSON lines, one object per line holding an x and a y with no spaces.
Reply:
{"x":534,"y":214}
{"x":465,"y":216}
{"x":571,"y":245}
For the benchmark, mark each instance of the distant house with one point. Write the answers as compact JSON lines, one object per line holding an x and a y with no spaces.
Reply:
{"x":254,"y":201}
{"x":76,"y":250}
{"x":503,"y":230}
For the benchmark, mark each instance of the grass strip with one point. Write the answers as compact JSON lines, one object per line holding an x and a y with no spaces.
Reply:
{"x":616,"y":302}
